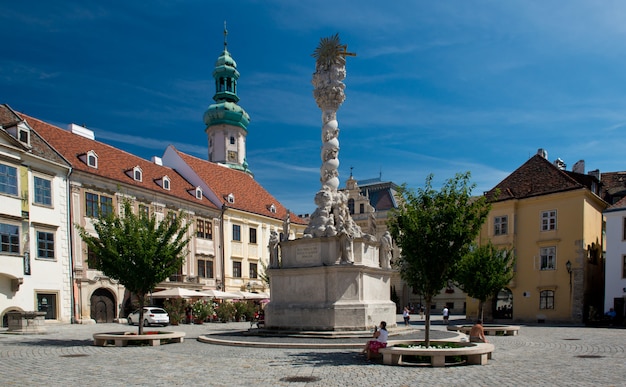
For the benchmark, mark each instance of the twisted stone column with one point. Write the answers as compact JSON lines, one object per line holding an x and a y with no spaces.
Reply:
{"x":331,"y":216}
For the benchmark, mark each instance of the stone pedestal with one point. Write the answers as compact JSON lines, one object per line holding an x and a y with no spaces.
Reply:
{"x":317,"y":290}
{"x":26,"y":322}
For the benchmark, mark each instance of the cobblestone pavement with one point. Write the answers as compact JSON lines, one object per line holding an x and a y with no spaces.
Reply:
{"x":538,"y":356}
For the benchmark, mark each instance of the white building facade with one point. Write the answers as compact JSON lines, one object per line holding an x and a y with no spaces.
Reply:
{"x":615,"y":263}
{"x":35,"y":257}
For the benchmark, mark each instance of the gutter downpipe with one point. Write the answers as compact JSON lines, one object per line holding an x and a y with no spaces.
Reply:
{"x":222,"y":248}
{"x":70,"y":240}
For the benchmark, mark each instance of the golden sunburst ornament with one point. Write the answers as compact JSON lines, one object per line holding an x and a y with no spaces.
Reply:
{"x":330,"y":51}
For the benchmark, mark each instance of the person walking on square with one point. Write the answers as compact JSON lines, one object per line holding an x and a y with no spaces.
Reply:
{"x":381,"y":335}
{"x":477,"y":333}
{"x":446,"y":315}
{"x":406,"y":315}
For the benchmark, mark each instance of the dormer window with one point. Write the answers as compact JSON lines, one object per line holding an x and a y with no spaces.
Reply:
{"x":164,"y":182}
{"x":137,"y":174}
{"x":272,"y":208}
{"x":23,"y":136}
{"x":198,"y":193}
{"x":21,"y":132}
{"x":230,"y":198}
{"x":90,"y":158}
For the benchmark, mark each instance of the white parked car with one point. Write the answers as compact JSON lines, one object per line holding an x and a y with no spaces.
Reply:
{"x":151,"y":316}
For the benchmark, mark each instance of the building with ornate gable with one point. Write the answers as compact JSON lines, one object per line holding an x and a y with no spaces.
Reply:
{"x":35,"y":254}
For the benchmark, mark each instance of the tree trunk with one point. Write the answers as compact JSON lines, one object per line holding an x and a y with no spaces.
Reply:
{"x":142,"y":299}
{"x":428,"y":301}
{"x":481,"y":304}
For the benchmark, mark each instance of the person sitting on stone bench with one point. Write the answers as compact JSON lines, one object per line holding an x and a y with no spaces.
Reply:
{"x":381,"y":336}
{"x":259,"y":319}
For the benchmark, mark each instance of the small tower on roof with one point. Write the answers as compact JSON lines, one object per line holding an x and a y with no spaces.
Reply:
{"x":226,"y":122}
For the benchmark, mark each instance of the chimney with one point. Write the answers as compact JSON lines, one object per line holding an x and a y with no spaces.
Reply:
{"x":81,"y":131}
{"x":579,"y":167}
{"x":157,"y":160}
{"x":543,"y":153}
{"x":560,"y":164}
{"x":595,"y":173}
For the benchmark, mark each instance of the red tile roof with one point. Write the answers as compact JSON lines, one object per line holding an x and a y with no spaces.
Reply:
{"x":250,"y":196}
{"x":38,"y":146}
{"x":613,"y":186}
{"x":535,"y":177}
{"x":620,"y":205}
{"x":114,"y":163}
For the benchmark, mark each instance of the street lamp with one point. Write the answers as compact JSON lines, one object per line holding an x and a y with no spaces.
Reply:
{"x":249,"y":287}
{"x":568,"y":266}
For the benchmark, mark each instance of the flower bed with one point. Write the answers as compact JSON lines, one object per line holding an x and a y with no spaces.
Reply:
{"x":123,"y":339}
{"x":438,"y":354}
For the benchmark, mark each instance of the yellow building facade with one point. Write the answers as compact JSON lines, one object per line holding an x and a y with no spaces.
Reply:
{"x":553,"y":220}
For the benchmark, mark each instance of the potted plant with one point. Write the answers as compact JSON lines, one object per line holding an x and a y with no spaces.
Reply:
{"x":226,"y":311}
{"x":202,"y":309}
{"x":243,"y":311}
{"x":175,"y":308}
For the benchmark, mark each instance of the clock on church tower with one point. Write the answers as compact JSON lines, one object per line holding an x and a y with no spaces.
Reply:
{"x":232,"y":156}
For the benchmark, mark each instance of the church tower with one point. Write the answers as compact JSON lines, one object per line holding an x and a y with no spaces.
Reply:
{"x":226,"y":122}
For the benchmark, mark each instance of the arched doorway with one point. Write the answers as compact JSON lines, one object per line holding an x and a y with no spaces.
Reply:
{"x":102,"y":306}
{"x":5,"y":316}
{"x":503,"y":305}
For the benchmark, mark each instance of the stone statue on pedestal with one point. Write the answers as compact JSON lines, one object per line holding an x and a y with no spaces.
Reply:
{"x":386,"y":245}
{"x":273,"y":248}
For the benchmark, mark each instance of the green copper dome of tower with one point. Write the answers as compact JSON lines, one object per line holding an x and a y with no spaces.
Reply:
{"x":226,"y":122}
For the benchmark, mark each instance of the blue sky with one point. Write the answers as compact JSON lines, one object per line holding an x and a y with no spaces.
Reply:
{"x":436,"y":87}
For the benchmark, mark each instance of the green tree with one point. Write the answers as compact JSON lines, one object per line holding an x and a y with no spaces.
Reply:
{"x":435,"y":229}
{"x":137,"y":250}
{"x":263,"y":273}
{"x":484,"y":271}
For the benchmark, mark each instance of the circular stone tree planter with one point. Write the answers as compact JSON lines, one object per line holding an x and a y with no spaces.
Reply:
{"x":152,"y":338}
{"x":468,"y":353}
{"x":490,"y":329}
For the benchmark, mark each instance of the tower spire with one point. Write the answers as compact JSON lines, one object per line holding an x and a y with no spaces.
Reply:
{"x":226,"y":121}
{"x":225,"y":36}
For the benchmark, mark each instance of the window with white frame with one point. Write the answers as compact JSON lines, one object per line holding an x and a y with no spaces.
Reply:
{"x":9,"y":238}
{"x":624,"y":229}
{"x":623,"y":266}
{"x":137,"y":174}
{"x":45,"y":245}
{"x":548,"y":220}
{"x":8,"y":179}
{"x":501,"y":225}
{"x":205,"y":268}
{"x":43,"y":191}
{"x":548,"y":258}
{"x":166,"y":183}
{"x":236,"y":232}
{"x":92,"y":159}
{"x":252,"y":235}
{"x":254,"y":271}
{"x":236,"y":269}
{"x":546,"y":299}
